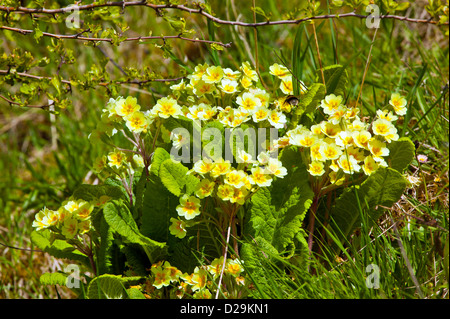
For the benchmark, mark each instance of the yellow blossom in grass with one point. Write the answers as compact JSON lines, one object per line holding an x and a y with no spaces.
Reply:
{"x":316,"y":129}
{"x":386,"y":115}
{"x":357,"y":125}
{"x":189,"y":207}
{"x":356,"y":152}
{"x":338,"y":114}
{"x":248,"y":101}
{"x":246,"y":82}
{"x":201,"y":88}
{"x":249,"y":72}
{"x":207,"y":113}
{"x":199,"y":278}
{"x":128,"y":106}
{"x":173,"y":272}
{"x":286,"y":85}
{"x":316,"y":168}
{"x":162,"y":277}
{"x":305,"y":139}
{"x":330,"y":129}
{"x":137,"y":122}
{"x":116,"y":159}
{"x":228,"y":86}
{"x":398,"y":102}
{"x":213,"y":74}
{"x":392,"y":135}
{"x":280,"y":71}
{"x":370,"y":165}
{"x":234,"y":267}
{"x":216,"y":267}
{"x":231,"y":74}
{"x":204,"y":188}
{"x":221,"y":167}
{"x":69,"y":228}
{"x":351,"y":113}
{"x":177,"y":228}
{"x":166,"y":107}
{"x":244,"y":157}
{"x":199,"y":70}
{"x":235,"y":178}
{"x":344,"y":139}
{"x":84,"y":226}
{"x":334,"y":178}
{"x":361,"y":138}
{"x":275,"y":167}
{"x":262,"y":95}
{"x":203,"y":166}
{"x":261,"y":177}
{"x":84,"y":211}
{"x":277,"y":119}
{"x":42,"y":220}
{"x":331,"y":103}
{"x":239,"y":195}
{"x":381,"y":127}
{"x":330,"y":151}
{"x":225,"y":192}
{"x":316,"y":153}
{"x":194,"y":111}
{"x":260,"y":114}
{"x":378,"y":149}
{"x":178,"y":87}
{"x":348,"y":164}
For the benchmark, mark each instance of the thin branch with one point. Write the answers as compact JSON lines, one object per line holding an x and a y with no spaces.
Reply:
{"x":201,"y":11}
{"x":78,"y":36}
{"x":138,"y":82}
{"x":30,"y":106}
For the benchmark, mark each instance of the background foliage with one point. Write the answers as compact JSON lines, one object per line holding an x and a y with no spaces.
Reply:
{"x":45,"y":153}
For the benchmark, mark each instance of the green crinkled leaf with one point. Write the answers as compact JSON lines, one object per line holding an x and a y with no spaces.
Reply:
{"x":105,"y":251}
{"x":401,"y":153}
{"x":55,"y":278}
{"x":134,"y":293}
{"x":159,"y":156}
{"x":118,"y":216}
{"x":308,"y":103}
{"x":57,"y":247}
{"x":174,"y":177}
{"x":277,"y":212}
{"x":384,"y":187}
{"x":106,"y":287}
{"x":336,"y":79}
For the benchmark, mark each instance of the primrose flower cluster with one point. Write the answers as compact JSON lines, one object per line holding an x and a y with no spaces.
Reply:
{"x":200,"y":282}
{"x":71,"y":219}
{"x":343,"y":143}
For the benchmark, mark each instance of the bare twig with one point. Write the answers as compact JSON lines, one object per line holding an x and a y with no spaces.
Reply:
{"x":78,"y":36}
{"x":201,"y":11}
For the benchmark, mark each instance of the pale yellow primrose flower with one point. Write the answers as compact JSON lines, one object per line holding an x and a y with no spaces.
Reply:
{"x":316,"y":168}
{"x":204,"y":188}
{"x":137,"y":122}
{"x":331,"y":103}
{"x":286,"y":85}
{"x":166,"y":107}
{"x":189,"y":207}
{"x":378,"y":149}
{"x":177,"y":228}
{"x":348,"y":164}
{"x":228,"y":86}
{"x":399,"y":103}
{"x":248,"y":101}
{"x":280,"y":71}
{"x":275,"y":167}
{"x":128,"y":106}
{"x":213,"y":74}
